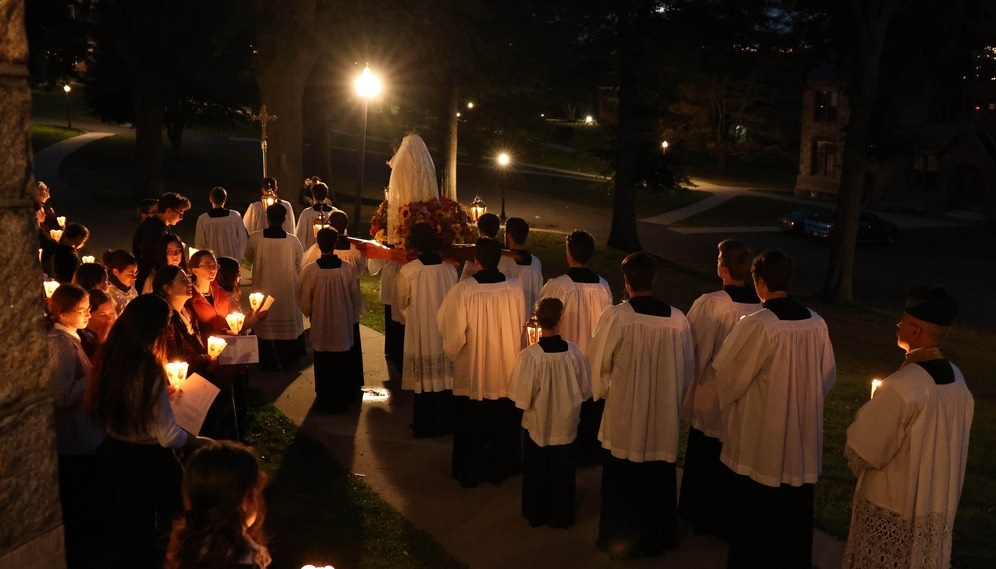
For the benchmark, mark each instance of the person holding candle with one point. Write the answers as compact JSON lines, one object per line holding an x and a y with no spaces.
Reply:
{"x":89,"y":276}
{"x":229,"y":279}
{"x":148,"y":237}
{"x":275,"y":255}
{"x":773,"y":373}
{"x":328,"y":292}
{"x":222,"y":526}
{"x":77,"y":438}
{"x":122,"y":274}
{"x":488,"y":225}
{"x":481,"y":320}
{"x":305,"y":230}
{"x":209,"y":303}
{"x":184,"y":342}
{"x":65,"y":257}
{"x":221,"y":229}
{"x":549,"y":382}
{"x":256,"y":219}
{"x":585,"y":295}
{"x":704,"y":485}
{"x":419,"y":291}
{"x":102,"y":317}
{"x":642,"y":359}
{"x":128,"y":396}
{"x":908,"y":446}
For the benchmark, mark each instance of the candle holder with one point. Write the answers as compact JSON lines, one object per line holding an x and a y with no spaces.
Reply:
{"x":477,"y":208}
{"x":235,"y":321}
{"x":533,"y":330}
{"x":255,"y":300}
{"x":215,"y":346}
{"x":88,"y":259}
{"x":61,"y":220}
{"x":176,"y":373}
{"x":56,"y":234}
{"x":50,"y":287}
{"x":269,"y":198}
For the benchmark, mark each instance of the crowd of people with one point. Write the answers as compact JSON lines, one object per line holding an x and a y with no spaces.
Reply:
{"x":587,"y":382}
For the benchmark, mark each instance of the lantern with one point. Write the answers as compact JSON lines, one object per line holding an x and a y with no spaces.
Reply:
{"x":477,"y":209}
{"x":176,"y":373}
{"x":533,"y":330}
{"x":256,"y":299}
{"x":215,"y":345}
{"x":269,"y":198}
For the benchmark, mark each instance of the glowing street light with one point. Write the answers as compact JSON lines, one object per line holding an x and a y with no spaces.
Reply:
{"x":470,"y":104}
{"x":367,"y":86}
{"x":589,"y":120}
{"x":664,"y":146}
{"x":69,"y":116}
{"x":503,"y":160}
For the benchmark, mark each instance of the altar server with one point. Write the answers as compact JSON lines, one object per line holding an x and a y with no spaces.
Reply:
{"x":255,"y":218}
{"x":221,"y":229}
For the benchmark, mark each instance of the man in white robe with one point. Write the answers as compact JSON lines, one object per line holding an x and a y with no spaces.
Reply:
{"x":527,"y":268}
{"x":221,"y":229}
{"x":329,"y":293}
{"x":305,"y":230}
{"x":488,"y":225}
{"x":585,"y":295}
{"x":276,"y":262}
{"x":642,"y":360}
{"x":704,"y":485}
{"x":255,"y":217}
{"x":419,"y":291}
{"x":908,"y":447}
{"x":481,"y":321}
{"x":772,"y":375}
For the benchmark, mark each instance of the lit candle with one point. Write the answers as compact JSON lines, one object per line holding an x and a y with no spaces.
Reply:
{"x":87,"y":258}
{"x":533,"y":330}
{"x":876,"y":383}
{"x":255,"y":300}
{"x":176,"y":373}
{"x":215,"y":346}
{"x":40,"y":251}
{"x":55,"y":233}
{"x":235,"y":321}
{"x":50,"y":287}
{"x":61,"y":220}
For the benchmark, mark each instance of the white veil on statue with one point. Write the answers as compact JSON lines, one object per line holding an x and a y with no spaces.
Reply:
{"x":413,"y":178}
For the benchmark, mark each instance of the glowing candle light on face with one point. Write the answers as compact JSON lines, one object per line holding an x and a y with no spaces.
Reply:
{"x":215,"y":345}
{"x":50,"y":287}
{"x":176,"y":373}
{"x":235,"y":321}
{"x":876,"y":383}
{"x":255,"y":300}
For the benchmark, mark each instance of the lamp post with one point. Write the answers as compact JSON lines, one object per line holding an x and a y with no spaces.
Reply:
{"x":367,"y":86}
{"x":503,"y":161}
{"x":69,"y":115}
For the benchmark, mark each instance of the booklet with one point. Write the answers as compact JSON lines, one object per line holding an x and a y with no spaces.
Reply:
{"x":191,"y":403}
{"x":240,"y":350}
{"x":266,"y":303}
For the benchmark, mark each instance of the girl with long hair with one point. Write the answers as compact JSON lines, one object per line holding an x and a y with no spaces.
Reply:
{"x":222,"y":526}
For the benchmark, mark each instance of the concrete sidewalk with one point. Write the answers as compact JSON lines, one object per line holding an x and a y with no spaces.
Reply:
{"x":481,"y":527}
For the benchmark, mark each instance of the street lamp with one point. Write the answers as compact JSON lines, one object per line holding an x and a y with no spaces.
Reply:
{"x":367,"y":87}
{"x":664,"y":146}
{"x":69,"y":117}
{"x":503,"y":161}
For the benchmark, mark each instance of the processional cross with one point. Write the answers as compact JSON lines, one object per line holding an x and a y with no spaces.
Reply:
{"x":262,"y":118}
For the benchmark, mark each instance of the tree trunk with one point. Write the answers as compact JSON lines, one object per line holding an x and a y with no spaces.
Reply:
{"x":623,"y":234}
{"x":872,"y":20}
{"x":148,"y":140}
{"x":446,"y":168}
{"x":286,"y":56}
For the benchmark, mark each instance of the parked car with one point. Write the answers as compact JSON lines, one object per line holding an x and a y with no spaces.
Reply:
{"x":795,"y":221}
{"x":871,"y":227}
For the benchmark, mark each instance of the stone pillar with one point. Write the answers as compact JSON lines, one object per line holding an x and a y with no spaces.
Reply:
{"x":30,"y":518}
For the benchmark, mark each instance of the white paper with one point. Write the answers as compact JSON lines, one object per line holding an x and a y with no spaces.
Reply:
{"x":266,"y":303}
{"x":240,"y":350}
{"x":190,"y":405}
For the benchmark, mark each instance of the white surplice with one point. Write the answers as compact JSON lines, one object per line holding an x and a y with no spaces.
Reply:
{"x":225,"y":236}
{"x":583,"y":305}
{"x":255,"y":217}
{"x":712,"y":316}
{"x":276,"y":264}
{"x":305,"y":228}
{"x":641,"y":365}
{"x":772,"y":377}
{"x":331,"y":299}
{"x":470,"y":267}
{"x":549,"y":387}
{"x":909,"y":447}
{"x":419,"y":292}
{"x":481,"y":326}
{"x":530,"y":278}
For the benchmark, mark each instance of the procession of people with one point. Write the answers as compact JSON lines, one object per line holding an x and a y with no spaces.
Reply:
{"x":588,"y":384}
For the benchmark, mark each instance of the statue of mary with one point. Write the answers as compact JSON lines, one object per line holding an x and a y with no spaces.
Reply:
{"x":413,"y":178}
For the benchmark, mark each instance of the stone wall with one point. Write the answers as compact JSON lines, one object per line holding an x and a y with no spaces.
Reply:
{"x":30,"y":521}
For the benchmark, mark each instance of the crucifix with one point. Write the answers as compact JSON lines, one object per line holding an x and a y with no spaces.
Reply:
{"x":262,"y":118}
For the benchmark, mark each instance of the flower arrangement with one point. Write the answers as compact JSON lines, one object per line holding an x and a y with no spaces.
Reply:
{"x":378,"y":224}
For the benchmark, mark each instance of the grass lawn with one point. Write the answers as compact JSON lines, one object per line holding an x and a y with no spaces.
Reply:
{"x":43,"y":135}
